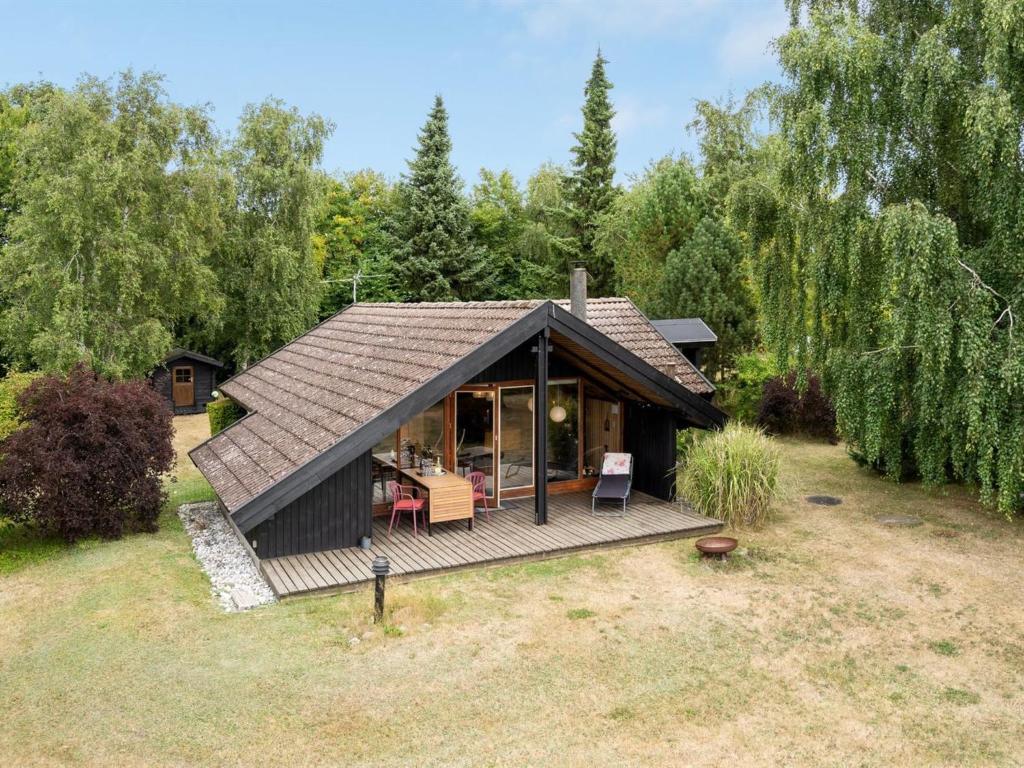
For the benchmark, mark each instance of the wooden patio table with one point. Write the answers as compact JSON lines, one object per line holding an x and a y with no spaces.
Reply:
{"x":450,"y":497}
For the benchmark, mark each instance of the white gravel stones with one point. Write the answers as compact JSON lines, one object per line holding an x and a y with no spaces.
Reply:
{"x":234,"y":579}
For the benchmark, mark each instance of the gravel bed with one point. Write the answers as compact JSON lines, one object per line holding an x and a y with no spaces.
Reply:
{"x":234,"y":579}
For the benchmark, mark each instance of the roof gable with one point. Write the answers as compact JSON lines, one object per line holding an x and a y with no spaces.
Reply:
{"x":329,"y":395}
{"x":177,"y":353}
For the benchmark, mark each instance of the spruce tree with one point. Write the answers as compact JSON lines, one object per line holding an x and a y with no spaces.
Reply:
{"x":590,"y":187}
{"x":437,"y":260}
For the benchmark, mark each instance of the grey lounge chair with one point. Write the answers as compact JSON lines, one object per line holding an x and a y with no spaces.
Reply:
{"x":615,"y":482}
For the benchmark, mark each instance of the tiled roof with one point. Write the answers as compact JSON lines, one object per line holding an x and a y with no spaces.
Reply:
{"x":622,"y":322}
{"x":314,"y":391}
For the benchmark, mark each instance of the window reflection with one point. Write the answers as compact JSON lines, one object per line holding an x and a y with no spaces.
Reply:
{"x":563,"y":431}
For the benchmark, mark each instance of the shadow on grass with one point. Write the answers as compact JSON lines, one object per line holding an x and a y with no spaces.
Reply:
{"x":22,"y":545}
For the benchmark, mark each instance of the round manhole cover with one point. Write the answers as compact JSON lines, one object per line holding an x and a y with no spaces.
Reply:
{"x":899,"y":521}
{"x":825,"y":501}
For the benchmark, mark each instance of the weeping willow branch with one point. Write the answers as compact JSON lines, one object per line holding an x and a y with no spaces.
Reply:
{"x":1007,"y":311}
{"x":880,"y":350}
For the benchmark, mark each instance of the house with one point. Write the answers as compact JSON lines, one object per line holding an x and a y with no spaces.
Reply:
{"x":187,"y":379}
{"x":689,"y":335}
{"x":386,"y":391}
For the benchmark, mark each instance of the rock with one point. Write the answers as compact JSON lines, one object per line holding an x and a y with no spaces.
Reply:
{"x":244,"y":599}
{"x":234,"y":579}
{"x":354,"y":641}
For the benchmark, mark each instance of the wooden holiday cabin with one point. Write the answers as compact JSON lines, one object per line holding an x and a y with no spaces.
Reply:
{"x":187,"y":379}
{"x":379,"y":391}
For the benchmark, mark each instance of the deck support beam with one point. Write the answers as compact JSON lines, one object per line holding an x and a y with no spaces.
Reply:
{"x":540,"y":429}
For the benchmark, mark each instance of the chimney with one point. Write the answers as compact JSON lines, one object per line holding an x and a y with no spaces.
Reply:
{"x":578,"y":292}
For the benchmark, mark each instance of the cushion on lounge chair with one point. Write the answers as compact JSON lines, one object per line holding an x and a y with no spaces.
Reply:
{"x":612,"y":487}
{"x":617,"y":464}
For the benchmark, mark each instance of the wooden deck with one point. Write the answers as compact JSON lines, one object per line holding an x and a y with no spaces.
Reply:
{"x":510,"y":536}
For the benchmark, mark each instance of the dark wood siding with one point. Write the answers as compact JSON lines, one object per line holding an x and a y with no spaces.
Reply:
{"x":650,"y":435}
{"x":333,"y":515}
{"x":518,"y":365}
{"x":204,"y":376}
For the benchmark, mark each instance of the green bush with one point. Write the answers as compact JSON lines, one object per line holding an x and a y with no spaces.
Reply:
{"x":12,"y":385}
{"x":733,"y":475}
{"x":740,"y":395}
{"x":222,"y":414}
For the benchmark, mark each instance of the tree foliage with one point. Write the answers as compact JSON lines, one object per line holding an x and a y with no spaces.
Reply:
{"x":90,"y":458}
{"x":11,"y":386}
{"x":355,"y":240}
{"x":590,"y":187}
{"x":502,"y":227}
{"x":705,"y":278}
{"x":266,"y":264}
{"x":676,"y":258}
{"x":889,"y":236}
{"x":437,"y":260}
{"x":118,"y":206}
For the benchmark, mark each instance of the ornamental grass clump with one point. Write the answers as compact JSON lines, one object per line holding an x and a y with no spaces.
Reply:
{"x":733,"y":475}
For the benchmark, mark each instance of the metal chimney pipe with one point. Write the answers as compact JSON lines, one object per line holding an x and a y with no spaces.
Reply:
{"x":578,"y":292}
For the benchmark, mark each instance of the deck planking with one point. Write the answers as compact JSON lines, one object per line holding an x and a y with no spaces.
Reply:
{"x":509,"y":536}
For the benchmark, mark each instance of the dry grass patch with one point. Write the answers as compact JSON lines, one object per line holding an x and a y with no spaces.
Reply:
{"x":812,"y":646}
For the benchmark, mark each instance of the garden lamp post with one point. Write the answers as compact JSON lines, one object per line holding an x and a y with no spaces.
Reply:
{"x":381,"y":566}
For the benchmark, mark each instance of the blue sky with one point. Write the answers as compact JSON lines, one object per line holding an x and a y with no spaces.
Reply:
{"x":511,"y":71}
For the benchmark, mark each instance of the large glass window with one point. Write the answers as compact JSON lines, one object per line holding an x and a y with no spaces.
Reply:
{"x":474,"y":434}
{"x":563,"y":431}
{"x":516,"y":437}
{"x":385,"y":459}
{"x":422,"y":437}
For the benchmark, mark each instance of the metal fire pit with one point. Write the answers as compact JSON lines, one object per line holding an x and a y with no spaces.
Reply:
{"x":717,"y":547}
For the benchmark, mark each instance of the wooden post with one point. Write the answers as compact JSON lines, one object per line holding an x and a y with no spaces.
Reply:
{"x":540,"y":430}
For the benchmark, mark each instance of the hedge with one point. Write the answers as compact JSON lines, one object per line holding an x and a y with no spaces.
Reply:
{"x":222,"y":414}
{"x":12,"y":385}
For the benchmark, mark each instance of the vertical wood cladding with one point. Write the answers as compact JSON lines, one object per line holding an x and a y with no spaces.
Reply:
{"x":650,"y":435}
{"x":333,"y":515}
{"x":518,"y":365}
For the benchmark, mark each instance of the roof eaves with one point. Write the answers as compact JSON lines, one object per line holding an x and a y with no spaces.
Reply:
{"x":687,"y":401}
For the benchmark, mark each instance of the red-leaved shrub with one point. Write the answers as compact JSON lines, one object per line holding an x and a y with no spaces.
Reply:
{"x":90,"y":458}
{"x":784,"y":409}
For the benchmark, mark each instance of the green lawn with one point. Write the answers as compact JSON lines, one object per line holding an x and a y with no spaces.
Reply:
{"x":828,"y":640}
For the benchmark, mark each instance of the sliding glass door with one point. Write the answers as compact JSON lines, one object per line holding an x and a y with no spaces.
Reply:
{"x":515,"y":437}
{"x":474,"y":434}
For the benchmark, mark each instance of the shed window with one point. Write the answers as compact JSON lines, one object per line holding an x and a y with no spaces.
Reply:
{"x":182,"y":375}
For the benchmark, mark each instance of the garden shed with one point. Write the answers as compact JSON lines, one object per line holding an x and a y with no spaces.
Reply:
{"x":187,"y":379}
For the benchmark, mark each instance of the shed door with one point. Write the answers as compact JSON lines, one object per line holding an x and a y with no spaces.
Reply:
{"x":183,"y":388}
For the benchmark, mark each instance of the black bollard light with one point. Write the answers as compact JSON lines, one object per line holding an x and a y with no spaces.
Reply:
{"x":381,"y":566}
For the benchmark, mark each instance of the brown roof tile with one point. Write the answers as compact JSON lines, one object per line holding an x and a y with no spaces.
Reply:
{"x":311,"y":393}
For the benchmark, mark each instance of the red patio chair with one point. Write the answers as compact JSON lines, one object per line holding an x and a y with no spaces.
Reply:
{"x":479,"y":481}
{"x":403,"y":499}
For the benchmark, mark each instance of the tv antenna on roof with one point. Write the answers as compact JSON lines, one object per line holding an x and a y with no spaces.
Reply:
{"x":356,"y":279}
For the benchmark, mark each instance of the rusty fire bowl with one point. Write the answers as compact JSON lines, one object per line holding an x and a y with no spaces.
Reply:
{"x":716,"y":546}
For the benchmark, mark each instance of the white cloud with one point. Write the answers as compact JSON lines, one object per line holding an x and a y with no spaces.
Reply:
{"x":631,"y":115}
{"x":746,"y":44}
{"x":641,"y":18}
